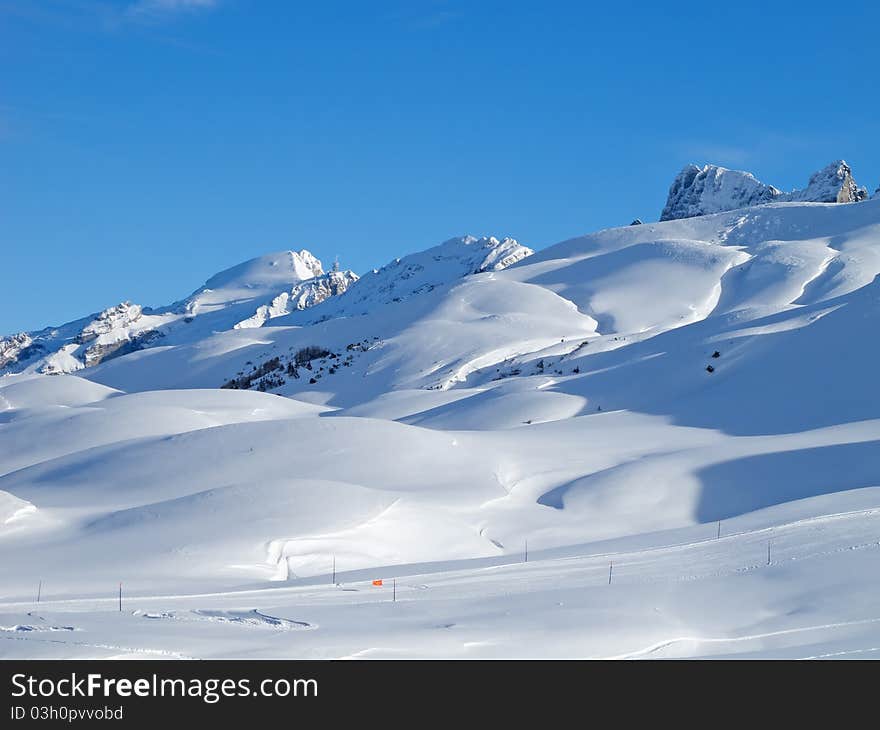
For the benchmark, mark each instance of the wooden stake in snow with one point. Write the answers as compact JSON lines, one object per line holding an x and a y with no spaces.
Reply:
{"x":39,"y":591}
{"x":610,"y":572}
{"x":768,"y":552}
{"x":526,"y":554}
{"x":120,"y":595}
{"x":719,"y":530}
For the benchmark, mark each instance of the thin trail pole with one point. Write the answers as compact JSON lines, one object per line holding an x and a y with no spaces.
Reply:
{"x":334,"y":570}
{"x":768,"y":552}
{"x":394,"y":594}
{"x":610,"y":572}
{"x":719,"y":530}
{"x":39,"y":591}
{"x":526,"y":556}
{"x":120,"y":595}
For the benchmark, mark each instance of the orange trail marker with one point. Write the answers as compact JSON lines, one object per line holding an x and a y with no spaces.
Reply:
{"x":377,"y":582}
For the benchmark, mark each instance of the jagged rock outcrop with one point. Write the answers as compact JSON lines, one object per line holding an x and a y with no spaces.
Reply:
{"x":499,"y":254}
{"x":82,"y":343}
{"x":712,"y":189}
{"x":832,"y":184}
{"x":108,"y":333}
{"x":314,"y":291}
{"x":99,"y":351}
{"x":311,"y":262}
{"x":306,"y":294}
{"x":113,"y":319}
{"x":14,"y":347}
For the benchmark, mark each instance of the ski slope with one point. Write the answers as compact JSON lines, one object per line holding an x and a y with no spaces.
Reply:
{"x":609,"y":399}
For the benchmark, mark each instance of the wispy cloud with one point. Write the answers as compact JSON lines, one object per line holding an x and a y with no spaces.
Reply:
{"x":426,"y":16}
{"x":164,"y":8}
{"x":102,"y":14}
{"x":434,"y":20}
{"x":750,"y":146}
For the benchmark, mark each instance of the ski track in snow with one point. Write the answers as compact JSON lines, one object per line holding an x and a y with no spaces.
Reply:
{"x":134,"y":651}
{"x":665,"y":644}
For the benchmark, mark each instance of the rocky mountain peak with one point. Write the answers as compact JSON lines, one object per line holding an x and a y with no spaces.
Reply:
{"x":499,"y":254}
{"x":114,"y":318}
{"x":834,"y":183}
{"x":310,"y":261}
{"x":712,"y":189}
{"x":14,"y":347}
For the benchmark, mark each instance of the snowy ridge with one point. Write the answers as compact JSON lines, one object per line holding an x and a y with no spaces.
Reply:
{"x":110,"y":320}
{"x":12,"y":348}
{"x":285,"y":281}
{"x":248,"y":296}
{"x":257,"y":276}
{"x":423,"y":272}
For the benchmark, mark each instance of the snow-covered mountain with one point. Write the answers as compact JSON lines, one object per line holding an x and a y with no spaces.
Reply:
{"x":693,"y":400}
{"x":247,"y":296}
{"x":710,"y":189}
{"x":226,"y":298}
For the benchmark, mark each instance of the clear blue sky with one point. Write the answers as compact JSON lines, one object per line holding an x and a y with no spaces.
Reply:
{"x":146,"y":144}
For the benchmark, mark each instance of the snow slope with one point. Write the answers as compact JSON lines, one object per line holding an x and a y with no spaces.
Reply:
{"x":674,"y":398}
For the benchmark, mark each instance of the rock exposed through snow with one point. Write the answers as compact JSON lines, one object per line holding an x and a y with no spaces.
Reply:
{"x":13,"y":347}
{"x":422,"y":272}
{"x":832,"y":184}
{"x":712,"y":189}
{"x":110,"y":320}
{"x":306,"y":294}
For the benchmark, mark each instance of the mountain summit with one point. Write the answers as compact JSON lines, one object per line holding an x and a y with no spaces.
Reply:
{"x":832,"y":184}
{"x":712,"y":189}
{"x":245,"y":295}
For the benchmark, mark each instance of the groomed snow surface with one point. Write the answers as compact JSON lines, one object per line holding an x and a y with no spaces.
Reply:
{"x":648,"y":442}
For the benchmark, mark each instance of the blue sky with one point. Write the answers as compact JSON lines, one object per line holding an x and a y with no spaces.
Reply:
{"x":147,"y":144}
